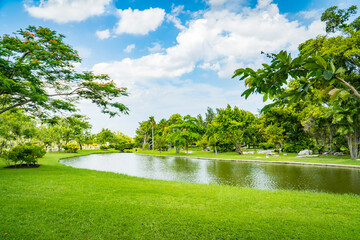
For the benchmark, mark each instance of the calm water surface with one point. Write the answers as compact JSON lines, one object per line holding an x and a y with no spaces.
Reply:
{"x":253,"y":175}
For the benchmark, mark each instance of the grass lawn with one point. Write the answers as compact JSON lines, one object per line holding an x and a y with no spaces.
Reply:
{"x":60,"y":202}
{"x":288,"y":157}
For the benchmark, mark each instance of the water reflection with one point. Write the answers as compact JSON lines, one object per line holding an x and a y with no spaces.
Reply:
{"x":253,"y":175}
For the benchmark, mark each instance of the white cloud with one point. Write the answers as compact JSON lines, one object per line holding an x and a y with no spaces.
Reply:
{"x":139,"y":22}
{"x":63,"y":11}
{"x":129,"y":48}
{"x":220,"y":40}
{"x":103,"y":34}
{"x":173,"y":17}
{"x":155,"y":48}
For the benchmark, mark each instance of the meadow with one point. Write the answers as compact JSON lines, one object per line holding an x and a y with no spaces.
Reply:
{"x":59,"y":202}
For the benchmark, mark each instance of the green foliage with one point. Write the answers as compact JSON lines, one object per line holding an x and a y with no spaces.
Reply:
{"x":298,"y":146}
{"x":320,"y":148}
{"x":146,"y":146}
{"x":71,"y":148}
{"x":37,"y":74}
{"x":267,"y":145}
{"x":24,"y":154}
{"x":104,"y":147}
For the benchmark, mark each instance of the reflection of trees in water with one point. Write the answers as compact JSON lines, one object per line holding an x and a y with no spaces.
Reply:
{"x":325,"y":179}
{"x":263,"y":176}
{"x":177,"y":168}
{"x":230,"y":173}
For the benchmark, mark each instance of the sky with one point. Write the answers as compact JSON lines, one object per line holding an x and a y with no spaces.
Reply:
{"x":173,"y":56}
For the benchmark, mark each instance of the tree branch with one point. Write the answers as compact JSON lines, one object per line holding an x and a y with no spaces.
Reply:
{"x":14,"y":106}
{"x":20,"y":60}
{"x":356,"y":93}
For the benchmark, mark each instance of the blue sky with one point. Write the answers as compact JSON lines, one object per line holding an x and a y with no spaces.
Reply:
{"x":173,"y":56}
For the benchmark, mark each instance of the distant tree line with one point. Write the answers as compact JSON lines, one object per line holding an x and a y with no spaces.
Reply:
{"x":303,"y":125}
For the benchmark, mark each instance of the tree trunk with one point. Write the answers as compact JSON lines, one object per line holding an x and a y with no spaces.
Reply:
{"x":238,"y":148}
{"x":177,"y":149}
{"x":80,"y":145}
{"x":143,"y":146}
{"x":215,"y":150}
{"x":187,"y":147}
{"x":152,"y":138}
{"x":331,"y":138}
{"x":353,"y":143}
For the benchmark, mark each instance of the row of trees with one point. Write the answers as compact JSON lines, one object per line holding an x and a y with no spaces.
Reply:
{"x":17,"y":128}
{"x":301,"y":126}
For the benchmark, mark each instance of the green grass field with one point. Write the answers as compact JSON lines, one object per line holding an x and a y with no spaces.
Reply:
{"x":60,"y":202}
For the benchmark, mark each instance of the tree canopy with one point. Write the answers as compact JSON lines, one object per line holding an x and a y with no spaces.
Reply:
{"x":37,"y":74}
{"x":326,"y":71}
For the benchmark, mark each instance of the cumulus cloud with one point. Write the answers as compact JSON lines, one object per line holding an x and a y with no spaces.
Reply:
{"x":103,"y":34}
{"x":139,"y":22}
{"x":220,"y":40}
{"x":129,"y":48}
{"x":63,"y":11}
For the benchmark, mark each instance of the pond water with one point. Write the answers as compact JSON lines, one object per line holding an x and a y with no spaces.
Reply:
{"x":252,"y":175}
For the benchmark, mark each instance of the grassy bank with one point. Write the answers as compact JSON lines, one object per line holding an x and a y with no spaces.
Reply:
{"x":59,"y":202}
{"x":286,"y":157}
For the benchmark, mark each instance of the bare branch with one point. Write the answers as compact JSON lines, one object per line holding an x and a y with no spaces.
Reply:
{"x":356,"y":93}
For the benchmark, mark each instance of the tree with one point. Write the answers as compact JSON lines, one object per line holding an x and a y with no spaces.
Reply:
{"x":187,"y":131}
{"x":212,"y":135}
{"x":37,"y":74}
{"x":106,"y":136}
{"x":79,"y":128}
{"x":327,"y":67}
{"x":152,"y":124}
{"x":231,"y":125}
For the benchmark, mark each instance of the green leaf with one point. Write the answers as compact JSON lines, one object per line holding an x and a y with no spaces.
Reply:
{"x":349,"y":119}
{"x":340,"y":71}
{"x":265,"y":97}
{"x":332,"y":66}
{"x":328,"y":75}
{"x":344,"y":95}
{"x":319,"y":60}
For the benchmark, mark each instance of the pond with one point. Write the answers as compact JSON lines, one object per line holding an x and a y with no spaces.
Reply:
{"x":244,"y":174}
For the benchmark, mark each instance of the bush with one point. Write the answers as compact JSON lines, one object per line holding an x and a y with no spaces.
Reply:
{"x":146,"y":146}
{"x":320,"y":148}
{"x":104,"y":147}
{"x":266,"y":145}
{"x":24,"y":154}
{"x":299,"y":146}
{"x":70,"y":148}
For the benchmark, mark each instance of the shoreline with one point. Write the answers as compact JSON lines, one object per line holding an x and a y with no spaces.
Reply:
{"x":263,"y":161}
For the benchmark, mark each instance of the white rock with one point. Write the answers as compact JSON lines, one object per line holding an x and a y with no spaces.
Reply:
{"x":248,"y":152}
{"x":305,"y":152}
{"x":265,"y":152}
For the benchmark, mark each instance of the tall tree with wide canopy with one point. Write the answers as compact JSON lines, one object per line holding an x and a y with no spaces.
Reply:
{"x":327,"y":67}
{"x":37,"y":74}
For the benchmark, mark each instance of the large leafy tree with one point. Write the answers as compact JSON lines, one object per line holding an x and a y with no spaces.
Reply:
{"x":327,"y":68}
{"x":232,"y":124}
{"x":37,"y":74}
{"x":187,"y":131}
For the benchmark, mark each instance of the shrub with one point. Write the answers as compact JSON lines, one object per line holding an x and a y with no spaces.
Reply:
{"x":146,"y":146}
{"x":298,"y":146}
{"x":104,"y":147}
{"x":24,"y":154}
{"x":70,"y":148}
{"x":266,"y":145}
{"x":320,"y":148}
